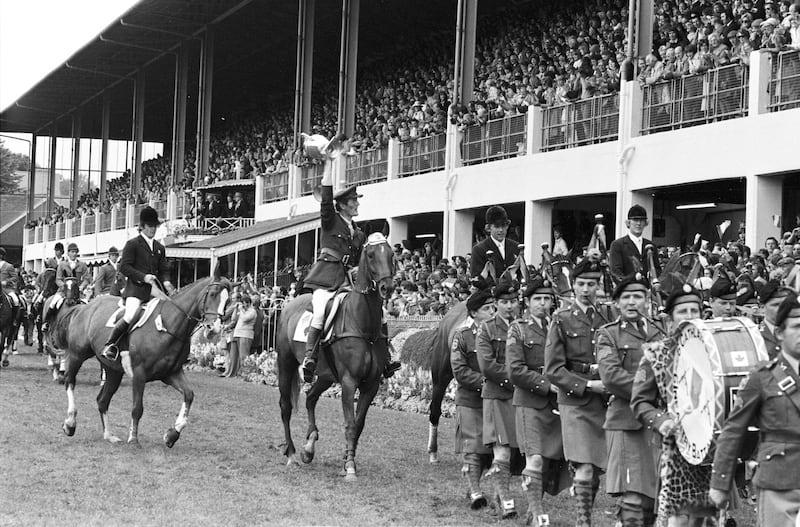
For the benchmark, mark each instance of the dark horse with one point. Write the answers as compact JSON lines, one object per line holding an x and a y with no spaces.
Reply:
{"x":10,"y":321}
{"x":158,"y":350}
{"x":355,"y":356}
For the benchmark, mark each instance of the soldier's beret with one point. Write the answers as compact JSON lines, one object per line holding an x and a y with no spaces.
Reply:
{"x":496,"y":215}
{"x":478,"y":299}
{"x":587,"y":268}
{"x":506,"y":289}
{"x":637,"y":212}
{"x":723,"y":288}
{"x":347,"y":194}
{"x":538,"y":285}
{"x":773,"y":289}
{"x":789,"y":308}
{"x":683,"y":295}
{"x":634,"y":282}
{"x":72,"y":247}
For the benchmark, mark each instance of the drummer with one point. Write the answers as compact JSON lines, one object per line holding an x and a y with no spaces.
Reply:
{"x":772,"y":294}
{"x":723,"y":297}
{"x":683,"y":489}
{"x":631,"y":474}
{"x":769,"y":399}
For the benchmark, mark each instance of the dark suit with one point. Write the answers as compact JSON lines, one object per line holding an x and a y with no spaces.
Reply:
{"x":137,"y":261}
{"x":214,"y":209}
{"x":240,"y":210}
{"x":478,"y":260}
{"x":624,"y":259}
{"x":109,"y":281}
{"x":336,"y":244}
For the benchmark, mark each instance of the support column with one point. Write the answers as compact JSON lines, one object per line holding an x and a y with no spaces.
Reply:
{"x":763,"y":200}
{"x":236,"y":265}
{"x":348,"y":60}
{"x":459,"y":237}
{"x":760,"y":73}
{"x":179,"y":114}
{"x":51,"y":187}
{"x":275,"y":265}
{"x":305,"y":68}
{"x":138,"y":131}
{"x":76,"y":158}
{"x":296,"y":247}
{"x":255,"y":263}
{"x":538,"y":228}
{"x":468,"y":50}
{"x":213,"y":265}
{"x":393,"y":159}
{"x":31,"y":181}
{"x":205,"y":83}
{"x":533,"y":143}
{"x":105,"y":127}
{"x":398,"y":229}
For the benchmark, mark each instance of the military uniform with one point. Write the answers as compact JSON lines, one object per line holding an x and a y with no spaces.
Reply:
{"x":498,"y":412}
{"x":768,"y":334}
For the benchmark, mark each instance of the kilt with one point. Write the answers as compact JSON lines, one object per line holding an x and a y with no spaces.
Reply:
{"x":778,"y":508}
{"x":539,"y":432}
{"x":583,"y":434}
{"x":498,"y":423}
{"x":631,"y":465}
{"x":469,"y":431}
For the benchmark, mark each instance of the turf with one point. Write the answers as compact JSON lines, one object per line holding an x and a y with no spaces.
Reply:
{"x":227,"y":468}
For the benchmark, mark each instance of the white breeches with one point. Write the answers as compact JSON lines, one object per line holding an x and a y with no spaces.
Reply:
{"x":132,"y":305}
{"x":13,"y":296}
{"x":319,"y":299}
{"x":57,"y":300}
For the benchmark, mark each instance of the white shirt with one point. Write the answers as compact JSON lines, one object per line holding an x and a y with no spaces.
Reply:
{"x":148,"y":240}
{"x":501,"y":246}
{"x":636,"y":241}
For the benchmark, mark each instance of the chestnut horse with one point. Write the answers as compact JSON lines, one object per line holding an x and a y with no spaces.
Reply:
{"x":158,"y":349}
{"x":355,"y":357}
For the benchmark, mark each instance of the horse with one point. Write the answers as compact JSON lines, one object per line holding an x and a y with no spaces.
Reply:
{"x":158,"y":350}
{"x":8,"y":327}
{"x":355,"y":355}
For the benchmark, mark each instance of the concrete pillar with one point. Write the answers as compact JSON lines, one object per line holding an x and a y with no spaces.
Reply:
{"x":459,"y":239}
{"x":51,"y":186}
{"x":259,"y":186}
{"x":635,"y":102}
{"x":76,"y":158}
{"x":760,"y":73}
{"x":138,"y":131}
{"x":105,"y":127}
{"x":83,"y":225}
{"x":393,"y":162}
{"x":467,"y":83}
{"x":130,"y":220}
{"x":205,"y":83}
{"x":67,"y":230}
{"x":348,"y":61}
{"x":179,"y":113}
{"x":114,"y":215}
{"x":538,"y":229}
{"x":172,"y":205}
{"x":763,"y":200}
{"x":305,"y":68}
{"x":535,"y":118}
{"x":294,"y":181}
{"x":31,"y":205}
{"x":212,"y":266}
{"x":398,"y":229}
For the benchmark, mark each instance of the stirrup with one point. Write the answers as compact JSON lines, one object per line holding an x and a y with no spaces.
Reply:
{"x":111,"y":352}
{"x":391,"y":368}
{"x":309,"y":367}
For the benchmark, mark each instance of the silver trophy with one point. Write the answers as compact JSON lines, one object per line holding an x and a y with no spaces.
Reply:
{"x":318,"y":146}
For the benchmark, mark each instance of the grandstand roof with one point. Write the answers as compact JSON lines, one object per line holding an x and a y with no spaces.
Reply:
{"x":254,"y":61}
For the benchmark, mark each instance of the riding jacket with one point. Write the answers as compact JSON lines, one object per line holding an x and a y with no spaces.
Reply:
{"x":340,"y":248}
{"x":80,"y":272}
{"x":8,"y":277}
{"x":138,"y":260}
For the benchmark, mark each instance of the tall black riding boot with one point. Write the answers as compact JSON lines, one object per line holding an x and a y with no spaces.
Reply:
{"x":310,"y":361}
{"x":111,"y":351}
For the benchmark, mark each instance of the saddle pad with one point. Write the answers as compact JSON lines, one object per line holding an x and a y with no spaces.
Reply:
{"x":148,"y":310}
{"x":301,"y":331}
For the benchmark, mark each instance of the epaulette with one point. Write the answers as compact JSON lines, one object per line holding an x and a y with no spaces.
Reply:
{"x":768,"y":364}
{"x":614,"y":323}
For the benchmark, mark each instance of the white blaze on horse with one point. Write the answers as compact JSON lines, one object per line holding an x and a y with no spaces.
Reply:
{"x":159,"y":347}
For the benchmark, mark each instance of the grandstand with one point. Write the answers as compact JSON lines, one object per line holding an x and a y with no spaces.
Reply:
{"x":543,"y":125}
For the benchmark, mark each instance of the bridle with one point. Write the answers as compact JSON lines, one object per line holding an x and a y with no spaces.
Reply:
{"x":199,"y":319}
{"x":376,"y":239}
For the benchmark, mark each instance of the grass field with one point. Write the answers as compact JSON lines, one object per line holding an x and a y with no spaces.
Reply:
{"x":227,"y":468}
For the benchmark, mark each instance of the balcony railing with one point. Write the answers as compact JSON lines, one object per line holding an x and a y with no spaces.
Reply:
{"x":367,"y":166}
{"x":784,"y":85}
{"x":498,"y":139}
{"x":76,"y":226}
{"x":421,"y":155}
{"x":276,"y":187}
{"x":585,"y":122}
{"x":716,"y":95}
{"x":183,"y":204}
{"x":121,"y":219}
{"x":104,"y":220}
{"x":218,"y":225}
{"x":310,"y":177}
{"x":61,"y":230}
{"x":90,"y":224}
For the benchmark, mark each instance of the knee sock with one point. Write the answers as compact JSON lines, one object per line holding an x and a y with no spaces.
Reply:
{"x":584,"y":496}
{"x":631,"y":515}
{"x":532,"y":484}
{"x":501,"y":476}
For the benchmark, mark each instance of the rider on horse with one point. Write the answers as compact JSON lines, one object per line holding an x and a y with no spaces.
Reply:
{"x":143,"y":261}
{"x":8,"y":281}
{"x":68,"y":270}
{"x":341,"y":241}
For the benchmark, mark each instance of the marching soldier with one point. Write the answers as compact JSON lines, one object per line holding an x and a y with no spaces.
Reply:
{"x":571,"y":366}
{"x":498,"y":412}
{"x":683,"y":489}
{"x":109,"y":280}
{"x":469,"y":405}
{"x":772,"y":294}
{"x":769,"y":399}
{"x":723,"y":296}
{"x":537,"y":422}
{"x":631,"y":474}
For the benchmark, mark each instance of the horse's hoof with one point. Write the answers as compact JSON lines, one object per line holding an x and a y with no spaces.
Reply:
{"x":306,"y":457}
{"x":69,"y":430}
{"x":134,"y":443}
{"x":170,"y":437}
{"x":61,"y":377}
{"x":292,"y":461}
{"x":433,"y":458}
{"x":5,"y":363}
{"x":112,"y":439}
{"x":351,"y":477}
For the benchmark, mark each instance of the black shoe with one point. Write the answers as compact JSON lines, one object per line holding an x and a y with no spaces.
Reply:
{"x":391,"y":368}
{"x":309,"y":366}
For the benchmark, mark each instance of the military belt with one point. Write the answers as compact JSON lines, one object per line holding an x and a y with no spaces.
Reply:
{"x":780,"y":437}
{"x":580,"y":367}
{"x":344,"y":258}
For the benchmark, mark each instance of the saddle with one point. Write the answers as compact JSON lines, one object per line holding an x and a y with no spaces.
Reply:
{"x":331,"y":309}
{"x":141,"y":317}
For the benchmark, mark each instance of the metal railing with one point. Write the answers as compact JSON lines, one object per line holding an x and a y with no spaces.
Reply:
{"x":310,"y":177}
{"x":51,"y":231}
{"x":183,"y":205}
{"x":716,"y":95}
{"x":121,"y":218}
{"x":585,"y":122}
{"x":28,"y":235}
{"x":367,"y":166}
{"x":90,"y":224}
{"x":161,"y":208}
{"x":784,"y":83}
{"x":498,"y":139}
{"x":61,"y":230}
{"x":217,"y":225}
{"x":421,"y":155}
{"x":276,"y":187}
{"x":104,"y":222}
{"x":76,"y":226}
{"x":137,"y":210}
{"x":38,"y":234}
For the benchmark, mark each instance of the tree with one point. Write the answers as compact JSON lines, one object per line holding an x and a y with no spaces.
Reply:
{"x":10,"y":165}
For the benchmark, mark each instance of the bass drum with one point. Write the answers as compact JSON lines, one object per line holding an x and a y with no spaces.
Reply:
{"x":712,"y":357}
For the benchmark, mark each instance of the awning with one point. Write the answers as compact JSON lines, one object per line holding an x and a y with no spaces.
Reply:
{"x":228,"y":183}
{"x":246,"y":238}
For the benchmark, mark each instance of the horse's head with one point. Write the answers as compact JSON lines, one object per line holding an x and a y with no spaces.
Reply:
{"x":376,"y":268}
{"x":214,"y":299}
{"x":72,"y":293}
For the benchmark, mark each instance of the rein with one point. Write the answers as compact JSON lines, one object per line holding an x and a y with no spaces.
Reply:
{"x":197,"y":319}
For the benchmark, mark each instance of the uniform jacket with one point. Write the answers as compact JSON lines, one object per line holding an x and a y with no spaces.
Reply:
{"x":525,"y":358}
{"x":137,"y":261}
{"x":81,"y":272}
{"x":478,"y":259}
{"x":773,"y":346}
{"x":8,"y":277}
{"x":624,"y":258}
{"x":619,"y":352}
{"x":647,"y":404}
{"x":491,"y":348}
{"x":46,"y":282}
{"x":328,"y":272}
{"x":776,"y":412}
{"x":109,"y":280}
{"x":467,"y":372}
{"x":570,"y":347}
